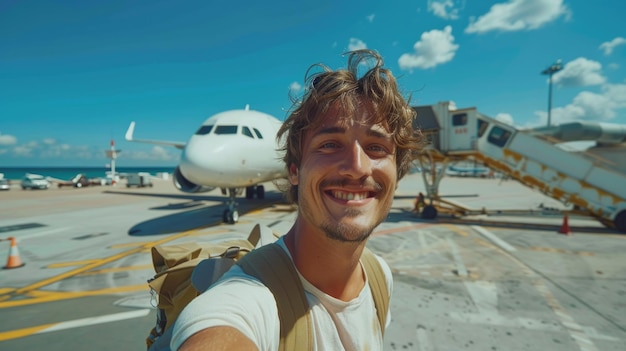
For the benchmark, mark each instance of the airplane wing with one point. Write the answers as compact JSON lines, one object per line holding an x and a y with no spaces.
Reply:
{"x":131,"y":131}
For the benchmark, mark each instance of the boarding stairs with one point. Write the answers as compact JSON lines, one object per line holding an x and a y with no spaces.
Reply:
{"x":591,"y":185}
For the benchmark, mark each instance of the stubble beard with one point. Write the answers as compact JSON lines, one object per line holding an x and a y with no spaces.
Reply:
{"x":346,"y":233}
{"x":341,"y":232}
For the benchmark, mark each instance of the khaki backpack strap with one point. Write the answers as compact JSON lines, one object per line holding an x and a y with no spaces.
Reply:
{"x":378,"y":286}
{"x":273,"y":267}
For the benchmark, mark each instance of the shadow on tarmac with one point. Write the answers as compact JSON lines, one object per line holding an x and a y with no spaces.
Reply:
{"x":191,"y":197}
{"x":404,"y":215}
{"x":525,"y":225}
{"x":195,"y":214}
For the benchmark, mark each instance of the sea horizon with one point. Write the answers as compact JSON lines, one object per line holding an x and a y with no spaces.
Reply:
{"x":68,"y":172}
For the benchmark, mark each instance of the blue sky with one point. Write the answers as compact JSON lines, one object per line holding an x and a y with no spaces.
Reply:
{"x":74,"y":74}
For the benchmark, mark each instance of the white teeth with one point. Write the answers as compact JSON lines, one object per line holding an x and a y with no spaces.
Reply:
{"x":349,"y":196}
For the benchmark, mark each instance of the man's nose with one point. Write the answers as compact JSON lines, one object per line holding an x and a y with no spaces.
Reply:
{"x":357,"y":162}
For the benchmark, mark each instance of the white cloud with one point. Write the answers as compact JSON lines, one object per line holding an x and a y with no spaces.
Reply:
{"x":505,"y":118}
{"x":156,"y":153}
{"x":356,"y":44}
{"x":613,"y":66}
{"x":370,"y":18}
{"x":295,"y":87}
{"x":516,"y":15}
{"x":443,"y":8}
{"x":6,"y":140}
{"x":161,"y":154}
{"x":610,"y":45}
{"x":617,"y":94}
{"x":590,"y":106}
{"x":434,"y":48}
{"x":580,"y":72}
{"x":52,"y":149}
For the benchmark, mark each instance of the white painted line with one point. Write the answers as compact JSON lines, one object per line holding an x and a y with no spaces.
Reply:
{"x":460,"y":266}
{"x":493,"y":238}
{"x":422,"y":239}
{"x":42,"y":233}
{"x":423,"y":342}
{"x":485,"y":296}
{"x":83,"y":322}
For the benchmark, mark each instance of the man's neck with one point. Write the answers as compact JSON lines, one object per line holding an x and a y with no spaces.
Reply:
{"x":330,"y":265}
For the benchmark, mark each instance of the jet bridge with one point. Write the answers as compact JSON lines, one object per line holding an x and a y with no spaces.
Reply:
{"x":592,"y":185}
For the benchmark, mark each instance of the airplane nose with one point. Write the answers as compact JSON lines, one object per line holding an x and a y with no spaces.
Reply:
{"x":205,"y":160}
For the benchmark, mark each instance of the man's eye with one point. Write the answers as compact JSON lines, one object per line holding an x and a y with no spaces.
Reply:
{"x":378,"y":149}
{"x":329,"y":145}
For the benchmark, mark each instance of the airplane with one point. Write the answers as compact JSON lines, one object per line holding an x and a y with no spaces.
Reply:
{"x":231,"y":150}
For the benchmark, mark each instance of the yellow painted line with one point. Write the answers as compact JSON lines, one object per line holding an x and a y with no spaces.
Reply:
{"x":211,"y":232}
{"x":6,"y":290}
{"x":76,"y":323}
{"x":40,"y":297}
{"x":70,"y":263}
{"x":552,"y":249}
{"x":457,"y":230}
{"x":117,"y":246}
{"x":49,"y":296}
{"x":119,"y":269}
{"x":401,"y":229}
{"x":20,"y":333}
{"x":486,"y":244}
{"x":91,"y":264}
{"x":100,"y":262}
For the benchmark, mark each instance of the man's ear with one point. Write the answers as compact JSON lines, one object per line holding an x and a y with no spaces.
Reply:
{"x":293,"y":174}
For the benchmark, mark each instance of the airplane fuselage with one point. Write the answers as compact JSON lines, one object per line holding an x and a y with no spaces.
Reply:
{"x":233,"y":149}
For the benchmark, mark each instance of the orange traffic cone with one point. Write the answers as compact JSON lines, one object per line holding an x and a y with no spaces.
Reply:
{"x":565,"y":227}
{"x":14,"y":260}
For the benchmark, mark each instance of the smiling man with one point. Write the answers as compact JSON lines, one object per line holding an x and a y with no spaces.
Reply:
{"x":346,"y":144}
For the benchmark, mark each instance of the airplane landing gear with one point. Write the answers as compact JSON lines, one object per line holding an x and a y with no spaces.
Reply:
{"x":231,"y":215}
{"x":429,"y":212}
{"x":620,"y":221}
{"x":258,"y":190}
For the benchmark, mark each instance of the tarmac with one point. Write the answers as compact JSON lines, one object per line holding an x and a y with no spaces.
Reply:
{"x":505,"y":280}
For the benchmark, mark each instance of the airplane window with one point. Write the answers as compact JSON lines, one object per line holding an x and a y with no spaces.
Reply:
{"x":246,"y":131}
{"x":460,"y":119}
{"x":482,"y":127}
{"x":499,"y":136}
{"x":204,"y":130}
{"x":226,"y":130}
{"x":258,"y":134}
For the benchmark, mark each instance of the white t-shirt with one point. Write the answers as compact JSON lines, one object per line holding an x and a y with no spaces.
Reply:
{"x":243,"y":302}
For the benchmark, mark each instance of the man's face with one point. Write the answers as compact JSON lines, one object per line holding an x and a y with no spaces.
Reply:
{"x":347,"y":176}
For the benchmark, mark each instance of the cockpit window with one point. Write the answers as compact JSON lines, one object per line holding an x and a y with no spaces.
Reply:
{"x":498,"y":136}
{"x":226,"y":130}
{"x":258,"y":134}
{"x":246,"y":131}
{"x":204,"y":130}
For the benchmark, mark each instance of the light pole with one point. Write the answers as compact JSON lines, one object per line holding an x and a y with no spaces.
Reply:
{"x":112,"y":154}
{"x":555,"y":67}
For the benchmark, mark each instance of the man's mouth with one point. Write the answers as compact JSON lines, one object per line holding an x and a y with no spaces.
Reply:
{"x":350,"y":196}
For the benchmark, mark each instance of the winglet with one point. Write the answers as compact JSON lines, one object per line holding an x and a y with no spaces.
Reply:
{"x":130,"y":131}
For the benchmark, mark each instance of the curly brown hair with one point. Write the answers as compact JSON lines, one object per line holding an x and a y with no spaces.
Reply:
{"x":377,"y":88}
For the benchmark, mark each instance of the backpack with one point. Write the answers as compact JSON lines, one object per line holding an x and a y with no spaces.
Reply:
{"x":183,"y":271}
